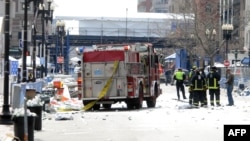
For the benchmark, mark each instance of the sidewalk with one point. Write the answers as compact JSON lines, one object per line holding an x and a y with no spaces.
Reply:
{"x":5,"y":129}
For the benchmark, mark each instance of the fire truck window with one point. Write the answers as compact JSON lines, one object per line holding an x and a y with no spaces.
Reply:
{"x":145,"y":59}
{"x":152,"y":60}
{"x":156,"y":59}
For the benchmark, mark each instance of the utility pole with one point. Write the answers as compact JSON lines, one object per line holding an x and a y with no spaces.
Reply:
{"x":5,"y":116}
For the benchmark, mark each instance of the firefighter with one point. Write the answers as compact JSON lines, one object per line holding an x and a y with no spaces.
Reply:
{"x":204,"y":92}
{"x":191,"y":74}
{"x":198,"y":84}
{"x":213,"y":78}
{"x":180,"y":76}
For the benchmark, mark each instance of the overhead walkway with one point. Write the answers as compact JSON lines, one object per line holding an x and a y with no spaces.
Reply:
{"x":150,"y":27}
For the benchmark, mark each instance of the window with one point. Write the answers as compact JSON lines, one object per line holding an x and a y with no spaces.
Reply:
{"x":164,"y":1}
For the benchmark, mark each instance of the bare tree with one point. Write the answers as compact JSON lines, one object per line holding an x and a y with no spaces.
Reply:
{"x":183,"y":36}
{"x":207,"y":25}
{"x":200,"y":30}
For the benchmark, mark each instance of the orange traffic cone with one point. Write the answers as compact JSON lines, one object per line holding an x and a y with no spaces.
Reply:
{"x":65,"y":94}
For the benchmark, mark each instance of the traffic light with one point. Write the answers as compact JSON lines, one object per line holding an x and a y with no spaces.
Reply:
{"x":236,"y":54}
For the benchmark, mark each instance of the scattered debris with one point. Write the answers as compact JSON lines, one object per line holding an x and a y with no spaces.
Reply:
{"x":245,"y":92}
{"x":63,"y":116}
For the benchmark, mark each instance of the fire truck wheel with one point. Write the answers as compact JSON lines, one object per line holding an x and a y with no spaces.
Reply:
{"x":107,"y":106}
{"x":130,"y":105}
{"x":139,"y":101}
{"x":151,"y":102}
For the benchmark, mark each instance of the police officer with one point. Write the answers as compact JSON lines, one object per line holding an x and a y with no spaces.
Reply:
{"x":204,"y":92}
{"x":213,"y":78}
{"x":191,"y":74}
{"x":198,"y":84}
{"x":180,"y":76}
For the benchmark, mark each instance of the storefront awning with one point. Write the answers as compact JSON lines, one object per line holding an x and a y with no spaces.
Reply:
{"x":245,"y":61}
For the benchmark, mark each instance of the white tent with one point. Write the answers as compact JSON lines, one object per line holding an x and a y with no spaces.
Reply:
{"x":219,"y":65}
{"x":29,"y":61}
{"x":75,"y":59}
{"x":172,"y":56}
{"x":12,"y":58}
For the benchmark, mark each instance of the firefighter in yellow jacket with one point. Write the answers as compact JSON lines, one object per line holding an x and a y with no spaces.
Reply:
{"x":198,"y":84}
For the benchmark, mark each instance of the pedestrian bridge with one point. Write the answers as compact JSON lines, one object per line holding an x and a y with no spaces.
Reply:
{"x":142,"y":27}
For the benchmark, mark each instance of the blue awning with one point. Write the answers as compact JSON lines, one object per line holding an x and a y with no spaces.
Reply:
{"x":245,"y":61}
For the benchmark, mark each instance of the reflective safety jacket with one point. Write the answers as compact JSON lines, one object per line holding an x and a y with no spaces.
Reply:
{"x":179,"y":75}
{"x":213,"y":79}
{"x":190,"y":75}
{"x":198,"y":83}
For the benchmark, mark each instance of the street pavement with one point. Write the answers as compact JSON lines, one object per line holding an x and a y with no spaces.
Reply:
{"x":5,"y":129}
{"x":170,"y":120}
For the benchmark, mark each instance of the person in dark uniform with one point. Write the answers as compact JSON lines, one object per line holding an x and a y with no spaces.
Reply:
{"x":180,"y":76}
{"x":198,"y":84}
{"x":204,"y":92}
{"x":213,"y":78}
{"x":191,"y":74}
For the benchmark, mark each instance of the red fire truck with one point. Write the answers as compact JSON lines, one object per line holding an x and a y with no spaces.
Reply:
{"x":120,"y":73}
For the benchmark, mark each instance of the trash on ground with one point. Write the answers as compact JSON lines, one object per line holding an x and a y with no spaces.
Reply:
{"x":63,"y":116}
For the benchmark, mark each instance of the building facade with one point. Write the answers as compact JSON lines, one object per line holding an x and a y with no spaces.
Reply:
{"x":154,"y":6}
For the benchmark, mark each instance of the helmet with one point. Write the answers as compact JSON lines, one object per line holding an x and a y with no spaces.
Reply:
{"x":194,"y":68}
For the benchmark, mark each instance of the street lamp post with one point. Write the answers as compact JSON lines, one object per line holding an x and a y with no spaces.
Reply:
{"x":34,"y":53}
{"x":25,"y":37}
{"x":236,"y":55}
{"x":60,"y":25}
{"x":227,"y":30}
{"x":34,"y":31}
{"x":47,"y":15}
{"x":25,"y":44}
{"x":248,"y":56}
{"x":5,"y":116}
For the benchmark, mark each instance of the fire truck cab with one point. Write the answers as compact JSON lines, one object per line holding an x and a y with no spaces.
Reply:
{"x":120,"y":73}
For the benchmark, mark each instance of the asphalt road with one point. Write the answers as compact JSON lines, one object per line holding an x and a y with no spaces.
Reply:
{"x":170,"y":120}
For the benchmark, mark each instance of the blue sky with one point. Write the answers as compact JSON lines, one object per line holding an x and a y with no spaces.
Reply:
{"x":99,"y":8}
